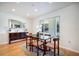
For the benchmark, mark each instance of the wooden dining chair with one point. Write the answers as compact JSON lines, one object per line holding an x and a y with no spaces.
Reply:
{"x":36,"y":42}
{"x":54,"y":45}
{"x":28,"y":39}
{"x":33,"y":42}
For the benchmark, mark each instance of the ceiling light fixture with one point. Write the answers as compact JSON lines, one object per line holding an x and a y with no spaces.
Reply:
{"x":13,"y":10}
{"x":18,"y":2}
{"x":50,"y":2}
{"x":28,"y":14}
{"x":35,"y":10}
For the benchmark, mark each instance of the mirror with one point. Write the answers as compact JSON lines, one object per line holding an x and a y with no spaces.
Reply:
{"x":54,"y":26}
{"x":50,"y":25}
{"x":16,"y":24}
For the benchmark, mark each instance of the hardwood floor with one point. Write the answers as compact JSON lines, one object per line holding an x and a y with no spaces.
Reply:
{"x":14,"y":49}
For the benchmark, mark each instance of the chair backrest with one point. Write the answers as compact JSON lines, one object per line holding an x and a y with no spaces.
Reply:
{"x":40,"y":33}
{"x":47,"y":35}
{"x":44,"y":34}
{"x":55,"y":39}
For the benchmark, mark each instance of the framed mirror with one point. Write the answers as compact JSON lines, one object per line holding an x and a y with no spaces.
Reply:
{"x":16,"y":24}
{"x":50,"y":25}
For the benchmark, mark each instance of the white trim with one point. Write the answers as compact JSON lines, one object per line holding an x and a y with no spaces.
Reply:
{"x":69,"y":49}
{"x":11,"y":41}
{"x":3,"y":43}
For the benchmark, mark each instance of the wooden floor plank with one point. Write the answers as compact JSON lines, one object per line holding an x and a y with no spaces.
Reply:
{"x":14,"y":49}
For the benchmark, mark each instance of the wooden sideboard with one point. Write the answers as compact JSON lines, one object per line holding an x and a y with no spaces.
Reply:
{"x":16,"y":36}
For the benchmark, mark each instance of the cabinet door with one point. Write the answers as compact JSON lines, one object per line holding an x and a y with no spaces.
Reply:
{"x":12,"y":36}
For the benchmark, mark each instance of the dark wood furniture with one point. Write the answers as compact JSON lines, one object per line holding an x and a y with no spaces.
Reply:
{"x":54,"y":45}
{"x":44,"y":44}
{"x":33,"y":41}
{"x":16,"y":36}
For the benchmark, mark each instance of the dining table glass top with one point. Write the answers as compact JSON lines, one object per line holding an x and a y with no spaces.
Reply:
{"x":42,"y":37}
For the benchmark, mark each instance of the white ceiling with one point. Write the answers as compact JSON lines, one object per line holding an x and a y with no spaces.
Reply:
{"x":26,"y":9}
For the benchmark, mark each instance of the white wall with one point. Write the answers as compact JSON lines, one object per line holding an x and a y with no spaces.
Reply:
{"x":4,"y":25}
{"x":69,"y":29}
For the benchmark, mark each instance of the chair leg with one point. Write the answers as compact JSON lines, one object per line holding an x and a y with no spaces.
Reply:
{"x":58,"y":47}
{"x":37,"y":51}
{"x":44,"y":47}
{"x":37,"y":48}
{"x":54,"y":48}
{"x":30,"y":44}
{"x":26,"y":42}
{"x":50,"y":40}
{"x":32,"y":48}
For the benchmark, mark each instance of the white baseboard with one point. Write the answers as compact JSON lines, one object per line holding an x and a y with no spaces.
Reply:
{"x":69,"y":49}
{"x":3,"y":43}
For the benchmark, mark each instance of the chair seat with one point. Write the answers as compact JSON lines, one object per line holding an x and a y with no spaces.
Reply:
{"x":51,"y":45}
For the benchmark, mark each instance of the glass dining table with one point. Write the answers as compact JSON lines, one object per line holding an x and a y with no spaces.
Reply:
{"x":45,"y":40}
